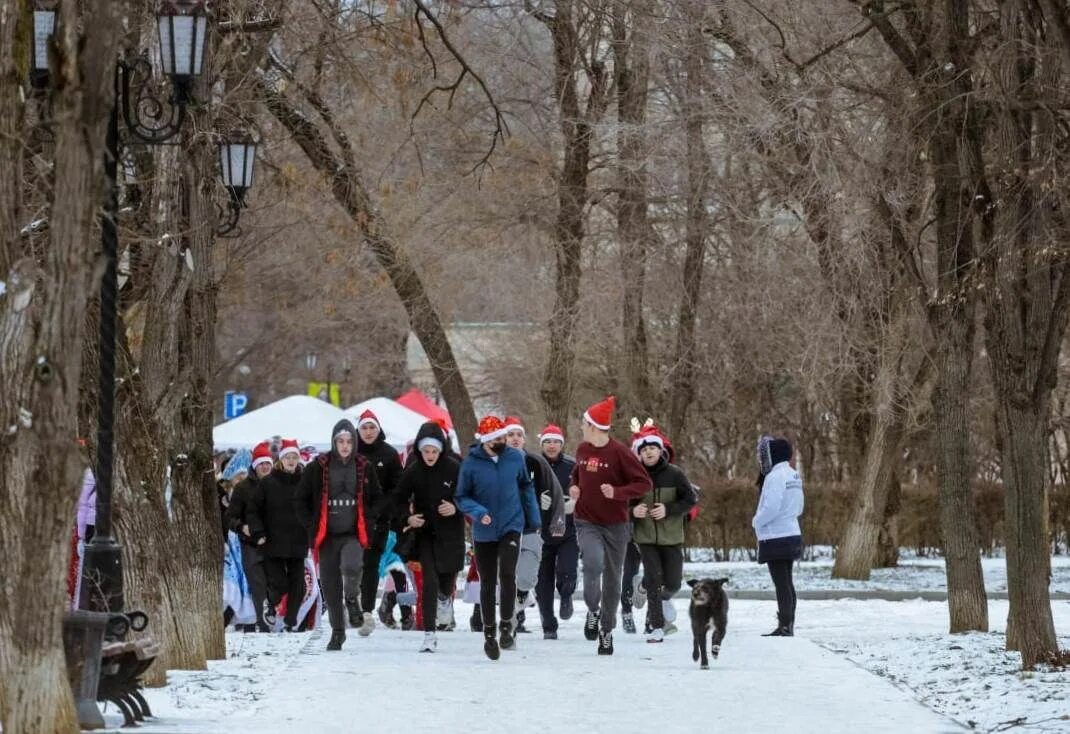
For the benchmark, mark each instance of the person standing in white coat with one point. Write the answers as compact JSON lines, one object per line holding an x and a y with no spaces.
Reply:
{"x":776,"y":523}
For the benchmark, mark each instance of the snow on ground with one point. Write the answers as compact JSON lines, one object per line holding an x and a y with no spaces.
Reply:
{"x":912,"y":574}
{"x":278,"y":683}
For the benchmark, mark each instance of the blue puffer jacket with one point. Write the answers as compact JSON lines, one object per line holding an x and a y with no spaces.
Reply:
{"x":501,"y":489}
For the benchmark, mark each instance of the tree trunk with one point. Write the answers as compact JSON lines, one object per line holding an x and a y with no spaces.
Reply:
{"x":631,"y":68}
{"x":570,"y":225}
{"x":42,"y":308}
{"x":350,"y":192}
{"x":682,"y":371}
{"x":888,"y":543}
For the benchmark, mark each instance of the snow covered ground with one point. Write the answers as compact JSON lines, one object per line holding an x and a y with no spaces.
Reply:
{"x":854,"y":665}
{"x":912,"y":574}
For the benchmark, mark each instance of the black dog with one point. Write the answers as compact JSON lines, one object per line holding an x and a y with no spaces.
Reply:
{"x":709,"y":610}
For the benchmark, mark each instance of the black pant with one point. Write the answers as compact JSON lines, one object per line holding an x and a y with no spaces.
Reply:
{"x":286,"y":576}
{"x":340,"y":558}
{"x":663,"y":573}
{"x":556,"y":570}
{"x":252,"y":561}
{"x":631,"y":567}
{"x":497,"y":564}
{"x":780,"y":571}
{"x":433,"y":584}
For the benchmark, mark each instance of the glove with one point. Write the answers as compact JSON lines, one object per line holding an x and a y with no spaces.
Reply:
{"x":570,"y":506}
{"x":545,"y":500}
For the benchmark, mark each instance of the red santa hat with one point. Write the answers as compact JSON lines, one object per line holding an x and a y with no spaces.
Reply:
{"x":262,"y":454}
{"x":369,"y":417}
{"x":512,"y":423}
{"x":648,"y":433}
{"x":289,"y":446}
{"x":490,"y":428}
{"x":552,"y":433}
{"x":600,"y":415}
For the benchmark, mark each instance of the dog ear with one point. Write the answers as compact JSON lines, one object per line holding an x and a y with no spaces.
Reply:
{"x":722,"y":582}
{"x":692,"y":582}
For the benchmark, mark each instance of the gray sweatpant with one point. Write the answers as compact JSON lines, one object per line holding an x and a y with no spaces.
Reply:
{"x":341,"y":559}
{"x":602,"y":549}
{"x":527,"y":566}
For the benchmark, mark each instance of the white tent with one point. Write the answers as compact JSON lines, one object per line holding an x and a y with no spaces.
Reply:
{"x":399,"y":423}
{"x":305,"y":418}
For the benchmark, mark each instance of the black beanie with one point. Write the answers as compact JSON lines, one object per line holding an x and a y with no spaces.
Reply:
{"x":779,"y":450}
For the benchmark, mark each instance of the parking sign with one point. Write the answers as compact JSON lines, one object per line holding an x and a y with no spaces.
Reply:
{"x":234,"y":404}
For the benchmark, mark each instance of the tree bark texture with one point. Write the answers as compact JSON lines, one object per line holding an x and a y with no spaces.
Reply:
{"x":42,"y":324}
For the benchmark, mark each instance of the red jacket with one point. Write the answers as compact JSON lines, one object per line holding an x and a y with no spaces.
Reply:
{"x":611,"y":464}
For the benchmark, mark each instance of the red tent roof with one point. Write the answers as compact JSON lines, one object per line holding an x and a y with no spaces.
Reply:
{"x":416,"y":400}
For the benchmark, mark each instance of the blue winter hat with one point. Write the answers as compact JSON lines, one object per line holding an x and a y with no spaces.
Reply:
{"x":238,"y":464}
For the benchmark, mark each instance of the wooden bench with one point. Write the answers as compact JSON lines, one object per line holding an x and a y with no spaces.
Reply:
{"x":122,"y":665}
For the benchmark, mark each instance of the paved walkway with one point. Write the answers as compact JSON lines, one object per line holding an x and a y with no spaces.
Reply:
{"x":381,"y":684}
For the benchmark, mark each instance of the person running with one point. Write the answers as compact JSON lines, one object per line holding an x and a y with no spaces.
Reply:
{"x":495,"y":491}
{"x":548,"y":490}
{"x":606,"y":477}
{"x":244,"y":522}
{"x":335,"y":502}
{"x":425,"y":501}
{"x":372,"y":445}
{"x":286,"y":539}
{"x":776,"y":523}
{"x":560,"y":555}
{"x":659,"y":520}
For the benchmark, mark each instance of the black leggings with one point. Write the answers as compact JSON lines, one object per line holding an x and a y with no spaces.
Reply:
{"x":632,"y":558}
{"x":433,"y":584}
{"x":780,"y":571}
{"x":663,"y":572}
{"x":497,"y":564}
{"x":286,"y":576}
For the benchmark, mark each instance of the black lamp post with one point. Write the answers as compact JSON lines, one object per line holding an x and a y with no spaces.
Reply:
{"x":236,"y":160}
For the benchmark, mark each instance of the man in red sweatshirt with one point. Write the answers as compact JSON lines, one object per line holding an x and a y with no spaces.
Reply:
{"x":606,"y":476}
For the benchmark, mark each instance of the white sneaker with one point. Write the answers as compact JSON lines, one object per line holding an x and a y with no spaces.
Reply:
{"x":638,"y":592}
{"x":656,"y":635}
{"x":444,"y":612}
{"x":367,"y":625}
{"x":430,"y":643}
{"x":669,"y":610}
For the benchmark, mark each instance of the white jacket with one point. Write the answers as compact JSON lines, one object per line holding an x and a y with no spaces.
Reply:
{"x":780,"y":505}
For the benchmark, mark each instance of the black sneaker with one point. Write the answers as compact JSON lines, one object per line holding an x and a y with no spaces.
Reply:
{"x":408,"y":621}
{"x":627,"y":621}
{"x":476,"y":620}
{"x":386,"y":610}
{"x":590,"y":627}
{"x":549,"y":634}
{"x":520,"y":628}
{"x":490,"y":643}
{"x":605,"y":642}
{"x":506,"y":640}
{"x":356,"y":618}
{"x":566,"y":608}
{"x":337,"y":638}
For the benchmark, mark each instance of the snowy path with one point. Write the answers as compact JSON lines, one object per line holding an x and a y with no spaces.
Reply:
{"x":281,"y":684}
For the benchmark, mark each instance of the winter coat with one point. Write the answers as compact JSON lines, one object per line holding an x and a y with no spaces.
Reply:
{"x":273,"y":510}
{"x":241,"y":513}
{"x":671,"y":488}
{"x":562,"y":469}
{"x":501,"y":489}
{"x":544,"y":480}
{"x":420,"y":491}
{"x":87,"y":504}
{"x":780,"y":504}
{"x":611,"y":464}
{"x":313,"y":493}
{"x":387,"y":464}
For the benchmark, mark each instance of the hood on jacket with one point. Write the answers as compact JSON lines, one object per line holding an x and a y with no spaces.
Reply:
{"x":369,"y":448}
{"x":344,"y":425}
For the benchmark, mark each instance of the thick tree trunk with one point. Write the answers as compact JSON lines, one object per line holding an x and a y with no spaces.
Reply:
{"x":631,"y":68}
{"x":42,"y":307}
{"x":682,"y":372}
{"x":888,"y":543}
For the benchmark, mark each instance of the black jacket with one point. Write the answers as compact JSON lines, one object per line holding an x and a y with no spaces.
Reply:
{"x":387,"y":465}
{"x":241,"y":512}
{"x":273,"y":510}
{"x":562,"y":468}
{"x":554,"y":524}
{"x":421,"y":489}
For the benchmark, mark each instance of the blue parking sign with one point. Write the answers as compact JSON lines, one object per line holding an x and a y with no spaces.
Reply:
{"x":234,"y":404}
